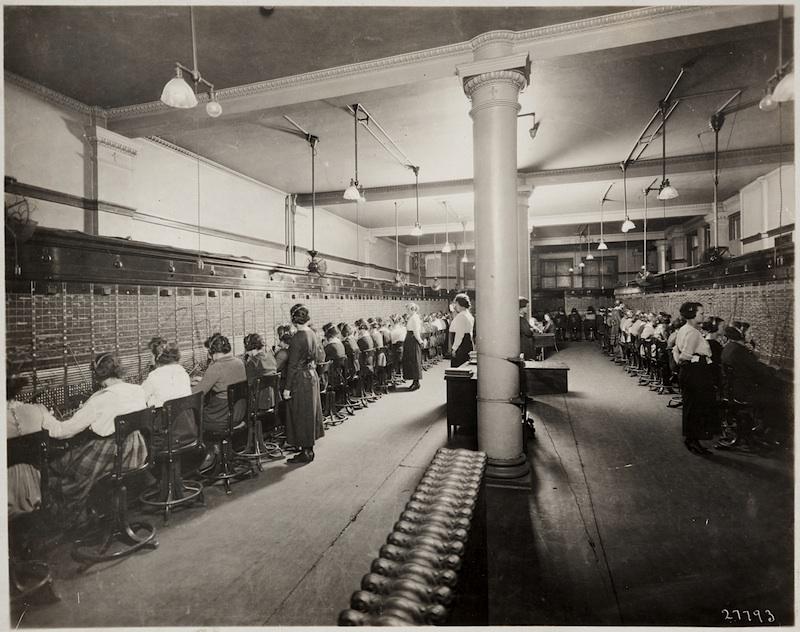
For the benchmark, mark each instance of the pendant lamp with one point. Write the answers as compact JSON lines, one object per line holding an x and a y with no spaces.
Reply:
{"x":627,"y":224}
{"x":602,"y":244}
{"x":177,"y":93}
{"x":666,"y":191}
{"x":417,"y":230}
{"x":353,"y":192}
{"x":447,"y":247}
{"x":589,"y":255}
{"x":464,"y":242}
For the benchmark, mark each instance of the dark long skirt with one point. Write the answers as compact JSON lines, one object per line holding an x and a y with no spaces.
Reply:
{"x":462,"y":353}
{"x":412,"y":358}
{"x":79,"y":469}
{"x":699,"y":405}
{"x":304,"y":419}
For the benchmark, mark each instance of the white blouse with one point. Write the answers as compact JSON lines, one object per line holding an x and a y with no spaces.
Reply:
{"x":98,"y":412}
{"x":398,"y":333}
{"x":414,"y":325}
{"x":462,"y":324}
{"x":689,"y":343}
{"x":165,"y":383}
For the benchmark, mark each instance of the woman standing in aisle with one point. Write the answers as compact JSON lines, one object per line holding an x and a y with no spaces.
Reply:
{"x":412,"y":347}
{"x":693,"y":357}
{"x":304,"y":423}
{"x":462,"y":330}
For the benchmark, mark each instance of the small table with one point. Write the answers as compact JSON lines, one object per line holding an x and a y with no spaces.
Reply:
{"x":544,"y":341}
{"x":546,"y":377}
{"x":462,"y":400}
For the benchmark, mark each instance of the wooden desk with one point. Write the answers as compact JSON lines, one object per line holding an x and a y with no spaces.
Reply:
{"x":542,"y":378}
{"x":546,"y":377}
{"x":462,"y":402}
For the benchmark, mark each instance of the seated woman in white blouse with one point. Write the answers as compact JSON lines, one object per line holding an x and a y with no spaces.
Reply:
{"x":81,"y":467}
{"x":24,"y":480}
{"x":462,"y":329}
{"x":169,"y":380}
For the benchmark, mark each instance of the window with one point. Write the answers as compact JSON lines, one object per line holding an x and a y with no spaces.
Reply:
{"x":692,"y":248}
{"x":706,"y":238}
{"x":734,"y":227}
{"x":555,"y":273}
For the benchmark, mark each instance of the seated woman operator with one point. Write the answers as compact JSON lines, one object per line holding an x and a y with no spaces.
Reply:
{"x":258,"y":361}
{"x":24,"y":480}
{"x":81,"y":467}
{"x":225,"y":369}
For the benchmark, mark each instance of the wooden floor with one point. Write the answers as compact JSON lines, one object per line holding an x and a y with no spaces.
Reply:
{"x":622,"y":525}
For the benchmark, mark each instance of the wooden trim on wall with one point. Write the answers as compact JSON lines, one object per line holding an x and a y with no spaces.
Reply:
{"x":780,"y":230}
{"x":49,"y":195}
{"x":751,"y":239}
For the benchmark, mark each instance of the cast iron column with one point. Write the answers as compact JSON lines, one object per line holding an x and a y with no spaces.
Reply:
{"x":493,"y":83}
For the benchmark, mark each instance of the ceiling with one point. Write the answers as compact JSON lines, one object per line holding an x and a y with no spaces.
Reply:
{"x":591,"y":106}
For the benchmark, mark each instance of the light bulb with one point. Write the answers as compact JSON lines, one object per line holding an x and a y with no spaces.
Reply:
{"x":352,"y":193}
{"x":213,"y":109}
{"x":464,"y":258}
{"x":767,"y":103}
{"x":581,"y":265}
{"x":571,"y":269}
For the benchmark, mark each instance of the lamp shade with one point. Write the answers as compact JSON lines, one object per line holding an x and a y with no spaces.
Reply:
{"x":464,"y":259}
{"x":667,"y":191}
{"x":627,"y":225}
{"x":767,"y":103}
{"x":581,"y":265}
{"x":571,"y":269}
{"x":178,"y":94}
{"x":213,"y":109}
{"x":352,"y":193}
{"x":784,"y":91}
{"x":602,"y":246}
{"x":590,"y":256}
{"x":447,"y":247}
{"x":417,"y":230}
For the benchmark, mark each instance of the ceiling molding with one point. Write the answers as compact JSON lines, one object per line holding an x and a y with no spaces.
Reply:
{"x":53,"y":97}
{"x":630,"y":27}
{"x":117,"y":145}
{"x":618,"y":29}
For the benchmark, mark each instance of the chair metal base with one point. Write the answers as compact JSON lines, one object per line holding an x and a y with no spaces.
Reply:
{"x":31,"y":581}
{"x":257,"y":448}
{"x":172,"y":491}
{"x":97,"y":547}
{"x":225,"y":467}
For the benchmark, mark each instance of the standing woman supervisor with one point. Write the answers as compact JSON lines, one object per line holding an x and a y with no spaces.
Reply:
{"x":304,"y":423}
{"x":692,"y":354}
{"x":412,"y":348}
{"x":461,"y":327}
